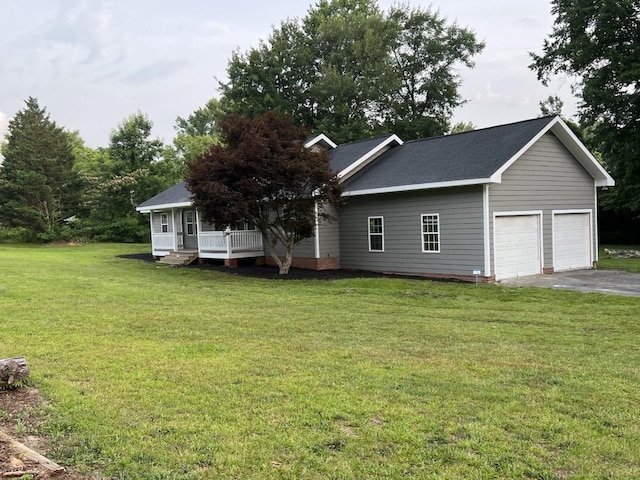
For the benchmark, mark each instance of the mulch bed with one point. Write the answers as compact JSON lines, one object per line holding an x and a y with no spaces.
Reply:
{"x":247,"y":268}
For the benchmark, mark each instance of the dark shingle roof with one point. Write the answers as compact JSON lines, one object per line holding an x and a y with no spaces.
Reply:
{"x":470,"y":155}
{"x":176,"y":194}
{"x":344,"y":155}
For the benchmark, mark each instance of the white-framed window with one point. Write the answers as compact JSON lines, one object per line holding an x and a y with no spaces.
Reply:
{"x":164,"y":222}
{"x":430,"y":233}
{"x":376,"y":234}
{"x":190,"y":222}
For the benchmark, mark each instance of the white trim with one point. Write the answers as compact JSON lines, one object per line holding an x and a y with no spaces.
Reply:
{"x":318,"y":138}
{"x":517,"y":213}
{"x":569,"y":212}
{"x":418,"y":186}
{"x":487,"y":229}
{"x":316,"y":212}
{"x":539,"y":213}
{"x":381,"y":234}
{"x":368,"y":157}
{"x":163,"y":216}
{"x":571,"y":143}
{"x":165,"y":206}
{"x":596,"y":220}
{"x":422,"y":232}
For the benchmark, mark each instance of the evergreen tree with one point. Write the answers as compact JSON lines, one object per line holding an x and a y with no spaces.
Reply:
{"x":38,"y":187}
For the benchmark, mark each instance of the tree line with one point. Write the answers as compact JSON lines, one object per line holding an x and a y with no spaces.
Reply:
{"x":347,"y":69}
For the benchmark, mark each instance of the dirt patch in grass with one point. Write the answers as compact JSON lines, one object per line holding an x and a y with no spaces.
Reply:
{"x":18,"y":418}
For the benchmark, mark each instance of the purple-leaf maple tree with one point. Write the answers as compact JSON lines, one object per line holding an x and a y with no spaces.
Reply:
{"x":262,"y":173}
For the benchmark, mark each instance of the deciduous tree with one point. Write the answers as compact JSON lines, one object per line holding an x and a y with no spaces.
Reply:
{"x":349,"y":70}
{"x":598,"y":43}
{"x":133,"y":174}
{"x":262,"y":173}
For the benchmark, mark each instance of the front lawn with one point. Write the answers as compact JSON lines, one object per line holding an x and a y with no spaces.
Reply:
{"x":179,"y":373}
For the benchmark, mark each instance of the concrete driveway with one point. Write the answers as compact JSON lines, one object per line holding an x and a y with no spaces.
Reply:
{"x":598,"y":281}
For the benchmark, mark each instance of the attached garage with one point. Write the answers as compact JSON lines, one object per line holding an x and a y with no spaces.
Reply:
{"x":517,"y":245}
{"x":572,"y":240}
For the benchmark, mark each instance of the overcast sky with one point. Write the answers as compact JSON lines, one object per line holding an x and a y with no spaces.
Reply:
{"x":93,"y":62}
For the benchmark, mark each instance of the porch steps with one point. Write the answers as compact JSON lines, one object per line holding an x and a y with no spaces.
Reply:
{"x":182,"y":257}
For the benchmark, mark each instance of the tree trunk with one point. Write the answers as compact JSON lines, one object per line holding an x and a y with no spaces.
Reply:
{"x":286,"y":264}
{"x":12,"y":370}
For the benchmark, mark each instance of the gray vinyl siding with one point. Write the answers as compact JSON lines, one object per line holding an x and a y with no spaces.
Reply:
{"x":330,"y":234}
{"x":545,"y":178}
{"x":329,"y":240}
{"x":461,"y":232}
{"x":157,"y":222}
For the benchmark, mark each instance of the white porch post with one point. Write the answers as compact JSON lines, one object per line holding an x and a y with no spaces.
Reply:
{"x":175,"y":230}
{"x":227,"y":234}
{"x":198,"y":229}
{"x":151,"y":229}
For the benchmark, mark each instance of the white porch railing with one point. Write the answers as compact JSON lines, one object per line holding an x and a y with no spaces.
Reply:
{"x":232,"y":242}
{"x":162,"y":241}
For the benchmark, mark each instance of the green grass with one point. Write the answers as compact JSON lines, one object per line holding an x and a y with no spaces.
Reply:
{"x":167,"y":373}
{"x":611,"y":262}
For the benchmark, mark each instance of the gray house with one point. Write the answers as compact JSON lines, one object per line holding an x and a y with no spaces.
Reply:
{"x":499,"y":202}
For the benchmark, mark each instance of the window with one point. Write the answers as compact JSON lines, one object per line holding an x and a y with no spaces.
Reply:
{"x":164,"y":222}
{"x":376,"y":234}
{"x":431,"y":233}
{"x":190,"y":222}
{"x":242,"y":225}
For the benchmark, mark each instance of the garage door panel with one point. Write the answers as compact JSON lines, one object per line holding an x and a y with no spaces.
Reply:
{"x":517,"y":246}
{"x":571,"y":241}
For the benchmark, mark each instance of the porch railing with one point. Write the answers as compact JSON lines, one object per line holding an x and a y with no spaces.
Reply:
{"x":163,"y":241}
{"x":231,"y":242}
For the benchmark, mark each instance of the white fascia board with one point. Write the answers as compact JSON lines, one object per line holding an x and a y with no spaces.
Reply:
{"x":166,"y":206}
{"x":571,"y":143}
{"x":418,"y":186}
{"x":582,"y":154}
{"x":364,"y":160}
{"x":497,"y":176}
{"x":318,"y":138}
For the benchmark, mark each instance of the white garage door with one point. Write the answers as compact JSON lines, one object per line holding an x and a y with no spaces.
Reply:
{"x":517,"y":246}
{"x":571,"y":241}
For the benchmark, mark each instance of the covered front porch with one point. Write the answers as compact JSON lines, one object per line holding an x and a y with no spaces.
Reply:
{"x":181,"y":230}
{"x":176,"y":227}
{"x":218,"y":244}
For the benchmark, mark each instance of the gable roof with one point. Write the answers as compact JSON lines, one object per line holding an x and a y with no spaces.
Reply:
{"x":348,"y":158}
{"x":387,"y":164}
{"x":173,"y":197}
{"x":321,"y":140}
{"x":469,"y":158}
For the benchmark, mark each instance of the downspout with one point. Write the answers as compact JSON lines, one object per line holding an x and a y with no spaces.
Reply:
{"x":595,"y":249}
{"x":316,"y":211}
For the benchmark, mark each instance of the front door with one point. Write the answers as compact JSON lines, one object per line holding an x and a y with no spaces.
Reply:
{"x":190,"y":230}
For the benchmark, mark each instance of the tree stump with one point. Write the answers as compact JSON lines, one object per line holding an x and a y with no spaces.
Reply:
{"x":12,"y":370}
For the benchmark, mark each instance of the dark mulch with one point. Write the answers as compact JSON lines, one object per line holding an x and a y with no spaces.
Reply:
{"x":247,"y":268}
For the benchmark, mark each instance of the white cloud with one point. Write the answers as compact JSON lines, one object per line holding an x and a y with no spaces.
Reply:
{"x":4,"y":129}
{"x":4,"y":125}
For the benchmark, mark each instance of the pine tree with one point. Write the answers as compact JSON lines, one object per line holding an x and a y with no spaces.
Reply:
{"x":38,"y":187}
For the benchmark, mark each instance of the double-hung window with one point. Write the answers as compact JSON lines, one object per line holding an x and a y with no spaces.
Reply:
{"x":376,"y":234}
{"x":164,"y":222}
{"x":190,"y":222}
{"x":431,"y":233}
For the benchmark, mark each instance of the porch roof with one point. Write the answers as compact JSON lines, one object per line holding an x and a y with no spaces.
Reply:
{"x":173,"y":197}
